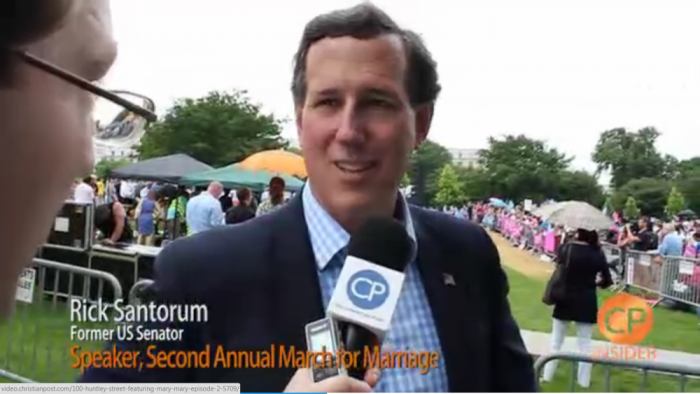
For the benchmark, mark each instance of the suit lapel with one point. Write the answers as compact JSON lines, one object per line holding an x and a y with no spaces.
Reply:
{"x":446,"y":303}
{"x":296,"y":286}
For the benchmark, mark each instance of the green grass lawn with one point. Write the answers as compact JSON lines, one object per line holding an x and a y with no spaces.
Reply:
{"x":36,"y":342}
{"x":672,"y":331}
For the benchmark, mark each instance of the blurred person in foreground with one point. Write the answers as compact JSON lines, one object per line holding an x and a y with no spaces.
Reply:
{"x":47,"y":126}
{"x":586,"y":269}
{"x":364,"y":90}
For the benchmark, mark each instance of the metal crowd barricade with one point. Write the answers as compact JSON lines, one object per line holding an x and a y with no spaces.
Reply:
{"x":680,"y":280}
{"x":615,"y":256}
{"x":611,"y":251}
{"x":644,"y":271}
{"x":39,"y":342}
{"x":139,"y":292}
{"x":683,"y":372}
{"x":665,"y":277}
{"x":669,"y":277}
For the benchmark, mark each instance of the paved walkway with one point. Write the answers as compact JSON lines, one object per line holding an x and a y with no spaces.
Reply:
{"x":538,"y":343}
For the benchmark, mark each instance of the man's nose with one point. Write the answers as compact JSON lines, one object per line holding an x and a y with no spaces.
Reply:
{"x":351,"y":125}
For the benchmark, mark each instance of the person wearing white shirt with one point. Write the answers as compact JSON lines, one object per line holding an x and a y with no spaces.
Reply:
{"x":84,"y":192}
{"x":144,"y":190}
{"x":127,"y":192}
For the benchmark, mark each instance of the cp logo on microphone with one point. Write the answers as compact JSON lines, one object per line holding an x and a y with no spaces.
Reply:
{"x":368,"y":289}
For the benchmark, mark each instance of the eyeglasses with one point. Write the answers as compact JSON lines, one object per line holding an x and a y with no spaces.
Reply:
{"x":85,"y":85}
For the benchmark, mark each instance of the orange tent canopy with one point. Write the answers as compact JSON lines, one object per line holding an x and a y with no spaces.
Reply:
{"x":279,"y":161}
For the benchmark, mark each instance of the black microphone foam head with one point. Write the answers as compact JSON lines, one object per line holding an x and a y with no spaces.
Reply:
{"x":382,"y":241}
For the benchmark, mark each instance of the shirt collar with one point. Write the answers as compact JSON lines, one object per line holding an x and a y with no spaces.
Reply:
{"x":328,"y":237}
{"x":208,"y":195}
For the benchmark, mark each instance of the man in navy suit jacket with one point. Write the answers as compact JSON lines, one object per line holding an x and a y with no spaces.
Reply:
{"x":264,"y":292}
{"x":364,"y":91}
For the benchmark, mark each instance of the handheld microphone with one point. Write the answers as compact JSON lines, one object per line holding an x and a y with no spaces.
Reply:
{"x":369,"y":286}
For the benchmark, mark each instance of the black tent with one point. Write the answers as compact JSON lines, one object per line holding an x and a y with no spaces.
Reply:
{"x":163,"y":169}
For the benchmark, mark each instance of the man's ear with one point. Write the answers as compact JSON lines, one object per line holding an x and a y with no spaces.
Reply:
{"x":423,"y":119}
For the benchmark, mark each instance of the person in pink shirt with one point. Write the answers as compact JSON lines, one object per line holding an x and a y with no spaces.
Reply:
{"x":691,"y":246}
{"x":539,"y":240}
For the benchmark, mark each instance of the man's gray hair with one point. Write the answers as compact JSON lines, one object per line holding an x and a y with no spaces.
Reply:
{"x":366,"y":21}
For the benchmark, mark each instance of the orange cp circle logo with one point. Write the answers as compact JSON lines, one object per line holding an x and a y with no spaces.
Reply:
{"x":625,"y":319}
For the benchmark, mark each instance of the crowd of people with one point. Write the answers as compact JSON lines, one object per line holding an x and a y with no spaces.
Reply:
{"x":587,"y":266}
{"x":150,"y":212}
{"x":677,"y":236}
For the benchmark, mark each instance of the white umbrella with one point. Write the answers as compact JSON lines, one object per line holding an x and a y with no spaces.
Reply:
{"x":545,"y":211}
{"x":578,"y":214}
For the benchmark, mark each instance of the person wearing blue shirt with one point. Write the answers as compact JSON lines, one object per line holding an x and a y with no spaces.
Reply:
{"x":204,"y":211}
{"x":672,"y":242}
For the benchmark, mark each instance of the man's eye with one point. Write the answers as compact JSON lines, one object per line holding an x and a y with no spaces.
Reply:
{"x":380,"y":103}
{"x":328,"y":102}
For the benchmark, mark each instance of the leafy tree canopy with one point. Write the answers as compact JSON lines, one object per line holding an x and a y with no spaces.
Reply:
{"x":219,"y":129}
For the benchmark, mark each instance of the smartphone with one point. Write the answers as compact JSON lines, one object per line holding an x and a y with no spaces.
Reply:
{"x":322,"y":338}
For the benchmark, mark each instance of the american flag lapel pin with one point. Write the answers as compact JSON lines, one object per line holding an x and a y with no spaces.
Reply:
{"x":449,"y":280}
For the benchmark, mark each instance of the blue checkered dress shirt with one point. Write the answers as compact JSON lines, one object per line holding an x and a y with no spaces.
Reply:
{"x":412,"y":326}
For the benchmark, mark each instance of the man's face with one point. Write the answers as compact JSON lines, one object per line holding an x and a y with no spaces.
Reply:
{"x":217,"y":191}
{"x":47,"y":132}
{"x":276,"y":188}
{"x":356,"y":124}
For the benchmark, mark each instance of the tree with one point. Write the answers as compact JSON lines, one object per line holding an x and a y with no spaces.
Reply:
{"x":294,"y":150}
{"x":579,"y":186}
{"x":629,"y":155}
{"x":690,"y":188}
{"x":675,"y":203}
{"x":522,"y":168}
{"x":406,"y":180}
{"x":450,"y":190}
{"x":630,"y":211}
{"x":608,"y":205}
{"x":671,"y":168}
{"x":105,"y":166}
{"x":688,"y":182}
{"x":219,"y":129}
{"x":427,"y":162}
{"x":689,"y":168}
{"x":649,"y":194}
{"x":475,"y":183}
